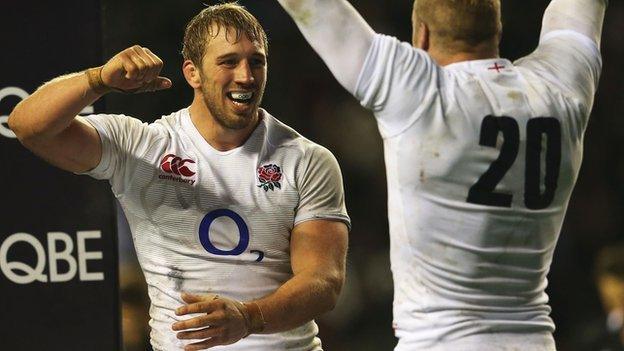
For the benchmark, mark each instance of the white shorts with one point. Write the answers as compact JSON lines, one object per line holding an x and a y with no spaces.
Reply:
{"x":487,"y":342}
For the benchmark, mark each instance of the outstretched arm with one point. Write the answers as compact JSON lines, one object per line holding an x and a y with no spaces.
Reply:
{"x":46,"y":122}
{"x":582,"y":16}
{"x":338,"y":34}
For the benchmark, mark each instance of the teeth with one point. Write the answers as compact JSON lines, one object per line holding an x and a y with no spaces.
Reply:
{"x":242,"y":96}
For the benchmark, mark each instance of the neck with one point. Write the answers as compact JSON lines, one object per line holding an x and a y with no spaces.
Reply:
{"x":218,"y":136}
{"x":444,"y":57}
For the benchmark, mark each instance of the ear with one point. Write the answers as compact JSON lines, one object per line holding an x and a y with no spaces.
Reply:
{"x":420,"y":37}
{"x":192,"y":74}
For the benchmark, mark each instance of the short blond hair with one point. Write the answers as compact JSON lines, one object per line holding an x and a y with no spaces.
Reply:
{"x":459,"y":25}
{"x":207,"y":24}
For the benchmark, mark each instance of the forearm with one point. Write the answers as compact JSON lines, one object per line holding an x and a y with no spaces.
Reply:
{"x":51,"y":109}
{"x":337,"y":33}
{"x":302,"y":298}
{"x":583,"y":16}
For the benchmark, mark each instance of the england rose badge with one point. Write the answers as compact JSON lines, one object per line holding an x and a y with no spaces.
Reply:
{"x":269,"y":177}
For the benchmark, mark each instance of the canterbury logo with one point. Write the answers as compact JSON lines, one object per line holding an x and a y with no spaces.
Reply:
{"x":176,"y":165}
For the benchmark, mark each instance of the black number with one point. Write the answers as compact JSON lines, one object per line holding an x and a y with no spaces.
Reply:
{"x":482,"y":192}
{"x":536,"y":129}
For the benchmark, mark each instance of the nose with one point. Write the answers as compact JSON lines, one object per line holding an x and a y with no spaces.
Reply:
{"x":244,"y":74}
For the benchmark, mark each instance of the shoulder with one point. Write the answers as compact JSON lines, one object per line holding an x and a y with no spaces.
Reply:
{"x":383,"y":43}
{"x":285,"y":138}
{"x":568,"y":61}
{"x":279,"y":135}
{"x":129,"y":135}
{"x":396,"y":81}
{"x":164,"y":129}
{"x":388,"y":53}
{"x":171,"y":122}
{"x":563,"y":50}
{"x":130,"y":122}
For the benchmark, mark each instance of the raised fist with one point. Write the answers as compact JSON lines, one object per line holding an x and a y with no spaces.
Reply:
{"x":134,"y":70}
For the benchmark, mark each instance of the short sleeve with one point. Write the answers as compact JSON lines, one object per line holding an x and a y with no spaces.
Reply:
{"x":321,"y":188}
{"x":123,"y":140}
{"x":398,"y":83}
{"x":568,"y":61}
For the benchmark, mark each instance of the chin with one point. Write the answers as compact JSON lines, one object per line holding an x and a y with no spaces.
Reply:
{"x":237,"y":121}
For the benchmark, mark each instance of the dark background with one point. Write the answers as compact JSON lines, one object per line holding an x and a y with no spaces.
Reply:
{"x":302,"y":93}
{"x":38,"y":43}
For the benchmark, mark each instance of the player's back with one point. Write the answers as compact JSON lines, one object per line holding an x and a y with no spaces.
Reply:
{"x":481,"y":159}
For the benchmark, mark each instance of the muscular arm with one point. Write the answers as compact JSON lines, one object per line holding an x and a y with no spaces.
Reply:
{"x":582,"y":16}
{"x":338,"y":34}
{"x":46,"y":122}
{"x":318,"y":256}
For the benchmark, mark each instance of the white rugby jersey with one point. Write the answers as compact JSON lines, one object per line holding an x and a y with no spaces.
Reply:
{"x":205,"y":221}
{"x":481,"y":159}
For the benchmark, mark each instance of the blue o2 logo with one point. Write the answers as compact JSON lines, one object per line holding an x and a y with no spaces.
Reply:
{"x":204,"y":232}
{"x":243,"y":232}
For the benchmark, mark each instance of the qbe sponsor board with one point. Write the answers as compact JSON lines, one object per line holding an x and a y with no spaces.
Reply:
{"x":58,"y":250}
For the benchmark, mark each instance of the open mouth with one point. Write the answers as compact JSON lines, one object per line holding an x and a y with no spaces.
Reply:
{"x":241,"y":97}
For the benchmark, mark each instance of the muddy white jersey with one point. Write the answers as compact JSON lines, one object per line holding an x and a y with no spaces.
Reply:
{"x":481,"y":159}
{"x":205,"y":221}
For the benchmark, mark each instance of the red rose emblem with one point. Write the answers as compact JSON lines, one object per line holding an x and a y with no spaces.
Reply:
{"x":269,"y":177}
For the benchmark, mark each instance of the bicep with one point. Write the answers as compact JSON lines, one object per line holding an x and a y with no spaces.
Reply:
{"x":76,"y":149}
{"x":337,"y":33}
{"x":319,"y":246}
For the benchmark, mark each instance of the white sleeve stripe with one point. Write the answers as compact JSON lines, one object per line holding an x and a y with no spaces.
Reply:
{"x":331,"y":217}
{"x":581,"y":38}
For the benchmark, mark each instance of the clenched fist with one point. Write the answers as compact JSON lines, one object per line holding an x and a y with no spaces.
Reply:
{"x":134,"y":70}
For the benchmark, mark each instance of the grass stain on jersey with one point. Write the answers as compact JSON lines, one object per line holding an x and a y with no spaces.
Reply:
{"x":514,"y":95}
{"x":300,"y":14}
{"x":177,"y":276}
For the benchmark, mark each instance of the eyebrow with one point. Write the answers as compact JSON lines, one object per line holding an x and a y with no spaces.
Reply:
{"x":234,"y":55}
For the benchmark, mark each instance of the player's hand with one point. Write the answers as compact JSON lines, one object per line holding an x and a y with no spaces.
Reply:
{"x":134,"y":70}
{"x":223,"y":321}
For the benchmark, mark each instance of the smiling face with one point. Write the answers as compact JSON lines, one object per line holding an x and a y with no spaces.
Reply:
{"x":232,"y":78}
